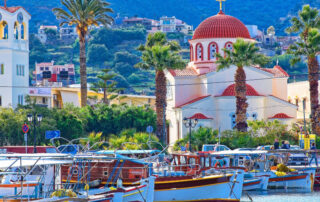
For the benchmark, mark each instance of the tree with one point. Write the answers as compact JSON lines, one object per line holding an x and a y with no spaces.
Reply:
{"x":244,"y":53}
{"x":161,"y":55}
{"x":97,"y":54}
{"x":83,"y":14}
{"x":108,"y":86}
{"x":307,"y":25}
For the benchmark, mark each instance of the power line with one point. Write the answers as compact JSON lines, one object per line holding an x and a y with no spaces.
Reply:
{"x":182,"y":84}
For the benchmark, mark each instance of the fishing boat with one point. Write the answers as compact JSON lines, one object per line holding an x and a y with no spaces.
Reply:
{"x":190,"y":174}
{"x":173,"y":181}
{"x":29,"y":176}
{"x":255,"y":182}
{"x":143,"y":191}
{"x":262,"y":163}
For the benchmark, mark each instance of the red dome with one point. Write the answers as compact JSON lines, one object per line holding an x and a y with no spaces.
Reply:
{"x":221,"y":26}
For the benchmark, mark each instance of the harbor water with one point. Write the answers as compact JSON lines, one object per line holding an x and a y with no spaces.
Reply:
{"x":281,"y":196}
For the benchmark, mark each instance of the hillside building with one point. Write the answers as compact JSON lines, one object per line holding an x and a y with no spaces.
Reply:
{"x":14,"y":55}
{"x":202,"y":92}
{"x":58,"y":75}
{"x":42,"y":32}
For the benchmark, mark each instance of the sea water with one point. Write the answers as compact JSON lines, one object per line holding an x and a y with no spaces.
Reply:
{"x":282,"y":196}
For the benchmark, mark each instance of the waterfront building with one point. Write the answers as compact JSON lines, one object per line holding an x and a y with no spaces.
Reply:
{"x":71,"y":95}
{"x":14,"y":55}
{"x":201,"y":92}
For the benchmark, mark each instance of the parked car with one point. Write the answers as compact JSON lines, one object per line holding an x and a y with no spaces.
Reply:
{"x":298,"y":159}
{"x":295,"y":147}
{"x":245,"y":149}
{"x":214,"y":148}
{"x":265,"y":147}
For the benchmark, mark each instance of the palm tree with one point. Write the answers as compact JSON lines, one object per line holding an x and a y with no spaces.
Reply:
{"x":83,"y":14}
{"x":161,"y":55}
{"x":306,"y":25}
{"x":244,"y":53}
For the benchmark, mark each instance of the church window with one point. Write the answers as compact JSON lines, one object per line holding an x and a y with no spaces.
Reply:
{"x":20,"y":70}
{"x":3,"y":30}
{"x":233,"y":120}
{"x":212,"y":51}
{"x":20,"y":99}
{"x":229,"y":46}
{"x":23,"y":31}
{"x":1,"y":69}
{"x":0,"y":101}
{"x":254,"y":116}
{"x":16,"y":31}
{"x":199,"y":52}
{"x":191,"y":52}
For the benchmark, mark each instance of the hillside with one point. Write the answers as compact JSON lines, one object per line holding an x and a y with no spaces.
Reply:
{"x":261,"y":13}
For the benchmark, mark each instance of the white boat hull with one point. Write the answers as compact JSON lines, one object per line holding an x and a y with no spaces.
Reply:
{"x":227,"y":191}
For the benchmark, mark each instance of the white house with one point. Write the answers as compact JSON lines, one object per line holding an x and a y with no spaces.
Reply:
{"x":14,"y":55}
{"x":200,"y":91}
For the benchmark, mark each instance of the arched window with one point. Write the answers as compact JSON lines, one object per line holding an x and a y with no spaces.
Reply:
{"x":3,"y":30}
{"x":228,"y":46}
{"x":191,"y":52}
{"x":212,"y":51}
{"x":16,"y":30}
{"x":23,"y":31}
{"x":199,"y":52}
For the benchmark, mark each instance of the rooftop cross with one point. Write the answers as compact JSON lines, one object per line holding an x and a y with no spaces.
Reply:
{"x":221,"y":3}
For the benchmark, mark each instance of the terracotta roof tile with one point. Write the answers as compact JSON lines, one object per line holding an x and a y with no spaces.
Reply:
{"x":183,"y":72}
{"x":199,"y":116}
{"x":221,"y":26}
{"x":281,"y":116}
{"x":277,"y":71}
{"x":13,"y":9}
{"x":230,"y":91}
{"x":193,"y":101}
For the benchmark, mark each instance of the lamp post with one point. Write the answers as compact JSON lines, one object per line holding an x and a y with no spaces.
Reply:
{"x":34,"y":120}
{"x":190,"y":123}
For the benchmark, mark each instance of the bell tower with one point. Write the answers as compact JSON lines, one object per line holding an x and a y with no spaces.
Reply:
{"x":14,"y":55}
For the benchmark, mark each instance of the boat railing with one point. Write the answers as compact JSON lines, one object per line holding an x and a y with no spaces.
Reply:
{"x":178,"y":170}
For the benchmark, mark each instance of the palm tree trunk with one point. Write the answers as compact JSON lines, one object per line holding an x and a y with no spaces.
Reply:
{"x":83,"y":71}
{"x":313,"y":67}
{"x":241,"y":104}
{"x":161,"y":93}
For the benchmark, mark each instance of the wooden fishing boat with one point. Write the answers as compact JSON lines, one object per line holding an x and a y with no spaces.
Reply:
{"x":177,"y":181}
{"x":217,"y":187}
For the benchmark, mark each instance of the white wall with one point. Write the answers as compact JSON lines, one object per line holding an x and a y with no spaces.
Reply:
{"x":258,"y":79}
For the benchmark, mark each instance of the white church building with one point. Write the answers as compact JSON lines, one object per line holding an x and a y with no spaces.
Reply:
{"x":14,"y":55}
{"x":200,"y":91}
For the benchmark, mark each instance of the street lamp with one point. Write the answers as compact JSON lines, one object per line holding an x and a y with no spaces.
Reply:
{"x":190,"y":123}
{"x":34,"y":120}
